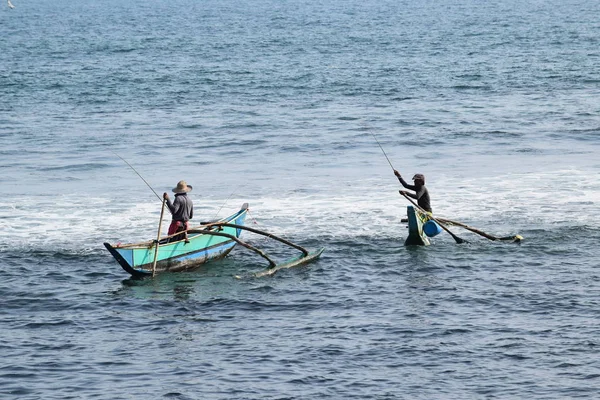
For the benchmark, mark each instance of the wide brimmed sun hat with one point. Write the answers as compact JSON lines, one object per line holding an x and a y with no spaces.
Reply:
{"x":182,"y":187}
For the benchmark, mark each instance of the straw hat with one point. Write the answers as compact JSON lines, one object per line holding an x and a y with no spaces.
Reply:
{"x":182,"y":187}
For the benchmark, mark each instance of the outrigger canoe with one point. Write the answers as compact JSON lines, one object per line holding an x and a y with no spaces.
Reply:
{"x":209,"y":241}
{"x":422,"y":225}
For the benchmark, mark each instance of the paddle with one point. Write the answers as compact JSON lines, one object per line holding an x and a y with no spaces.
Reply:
{"x":162,"y":211}
{"x":456,"y":238}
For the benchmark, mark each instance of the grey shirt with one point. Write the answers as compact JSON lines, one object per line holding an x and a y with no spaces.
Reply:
{"x":182,"y":208}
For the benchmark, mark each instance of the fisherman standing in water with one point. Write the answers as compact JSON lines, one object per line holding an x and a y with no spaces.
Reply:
{"x":182,"y":210}
{"x":421,"y":193}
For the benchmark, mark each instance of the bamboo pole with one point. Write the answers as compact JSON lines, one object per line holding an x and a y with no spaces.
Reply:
{"x":259,"y":232}
{"x":162,"y":211}
{"x":272,"y":263}
{"x":479,"y":232}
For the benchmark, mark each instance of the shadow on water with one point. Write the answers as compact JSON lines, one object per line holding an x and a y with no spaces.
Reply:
{"x":216,"y":279}
{"x":213,"y":279}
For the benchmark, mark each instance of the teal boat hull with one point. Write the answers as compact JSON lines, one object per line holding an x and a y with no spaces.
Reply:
{"x":416,"y":219}
{"x":138,"y":259}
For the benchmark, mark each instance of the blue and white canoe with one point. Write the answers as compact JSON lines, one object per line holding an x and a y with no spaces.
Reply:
{"x":181,"y":255}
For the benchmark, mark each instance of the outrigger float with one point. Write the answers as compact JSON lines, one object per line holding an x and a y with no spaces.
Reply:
{"x":422,"y":225}
{"x":187,"y":250}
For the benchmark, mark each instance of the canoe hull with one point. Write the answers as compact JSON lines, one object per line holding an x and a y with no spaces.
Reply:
{"x":416,"y":219}
{"x":138,"y":259}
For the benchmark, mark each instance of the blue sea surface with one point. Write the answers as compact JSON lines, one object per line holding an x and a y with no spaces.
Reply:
{"x":288,"y":106}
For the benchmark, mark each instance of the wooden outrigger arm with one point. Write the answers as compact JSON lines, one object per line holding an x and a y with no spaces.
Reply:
{"x":305,"y":258}
{"x":515,"y":238}
{"x":272,"y":263}
{"x":259,"y":232}
{"x":205,"y":229}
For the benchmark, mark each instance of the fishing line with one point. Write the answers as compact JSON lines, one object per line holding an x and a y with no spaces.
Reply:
{"x":222,"y":205}
{"x":253,"y":219}
{"x":138,"y":174}
{"x":248,"y":210}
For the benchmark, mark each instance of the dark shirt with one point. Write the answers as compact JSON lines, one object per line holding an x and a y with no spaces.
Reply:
{"x":182,"y":208}
{"x":421,"y":195}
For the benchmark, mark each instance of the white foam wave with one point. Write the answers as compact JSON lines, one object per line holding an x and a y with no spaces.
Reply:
{"x":344,"y":210}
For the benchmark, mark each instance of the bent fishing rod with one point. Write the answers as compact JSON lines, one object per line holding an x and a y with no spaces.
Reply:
{"x":159,"y":197}
{"x":387,"y":158}
{"x":138,"y":174}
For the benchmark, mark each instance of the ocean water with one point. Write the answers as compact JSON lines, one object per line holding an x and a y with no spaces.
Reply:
{"x":281,"y":104}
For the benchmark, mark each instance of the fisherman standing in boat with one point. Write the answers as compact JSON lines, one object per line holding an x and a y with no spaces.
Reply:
{"x":421,"y":193}
{"x":182,"y":209}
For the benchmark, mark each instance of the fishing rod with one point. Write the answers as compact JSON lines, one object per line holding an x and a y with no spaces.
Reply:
{"x":387,"y":158}
{"x":159,"y":197}
{"x":138,"y":174}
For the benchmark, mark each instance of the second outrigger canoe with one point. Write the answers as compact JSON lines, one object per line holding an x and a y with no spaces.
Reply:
{"x":418,"y":220}
{"x":209,"y":241}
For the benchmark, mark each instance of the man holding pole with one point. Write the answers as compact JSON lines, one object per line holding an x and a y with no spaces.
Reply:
{"x":182,"y":209}
{"x":421,"y":193}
